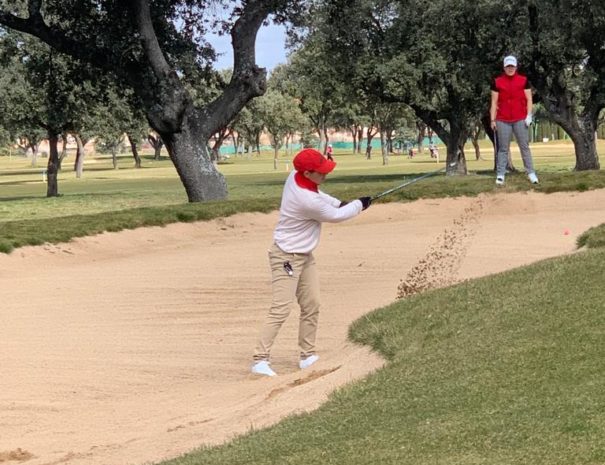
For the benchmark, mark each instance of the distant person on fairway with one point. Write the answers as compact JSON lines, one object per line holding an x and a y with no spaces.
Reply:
{"x":293,"y":272}
{"x":329,"y":151}
{"x":511,"y":113}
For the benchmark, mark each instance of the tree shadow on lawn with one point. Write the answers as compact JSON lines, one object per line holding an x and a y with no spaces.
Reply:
{"x":23,"y":197}
{"x":43,"y":196}
{"x":23,"y":172}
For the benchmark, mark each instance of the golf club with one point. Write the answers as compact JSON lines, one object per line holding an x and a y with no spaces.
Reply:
{"x":496,"y":148}
{"x":412,"y":181}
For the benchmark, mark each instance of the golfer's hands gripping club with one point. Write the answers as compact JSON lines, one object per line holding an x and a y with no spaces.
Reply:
{"x":365,"y":202}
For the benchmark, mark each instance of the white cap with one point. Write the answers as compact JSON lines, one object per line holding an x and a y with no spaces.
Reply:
{"x":510,"y":61}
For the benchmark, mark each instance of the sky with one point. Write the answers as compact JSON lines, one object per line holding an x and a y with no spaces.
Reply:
{"x":270,"y":48}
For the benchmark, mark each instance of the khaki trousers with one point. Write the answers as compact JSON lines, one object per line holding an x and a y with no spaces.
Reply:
{"x":303,"y":285}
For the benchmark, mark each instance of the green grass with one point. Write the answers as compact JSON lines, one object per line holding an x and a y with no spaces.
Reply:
{"x":106,"y":199}
{"x":506,"y":369}
{"x":593,"y":238}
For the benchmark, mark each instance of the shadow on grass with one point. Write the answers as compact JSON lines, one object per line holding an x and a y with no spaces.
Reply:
{"x":23,"y":197}
{"x":24,"y":172}
{"x":62,"y":195}
{"x":22,"y":183}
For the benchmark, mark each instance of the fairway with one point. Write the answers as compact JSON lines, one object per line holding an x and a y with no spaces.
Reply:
{"x":132,"y":347}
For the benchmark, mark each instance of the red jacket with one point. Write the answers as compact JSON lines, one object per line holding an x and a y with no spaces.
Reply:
{"x":512,"y":103}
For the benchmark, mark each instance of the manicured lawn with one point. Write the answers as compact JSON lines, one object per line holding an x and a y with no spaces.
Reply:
{"x":506,"y":369}
{"x":106,"y":199}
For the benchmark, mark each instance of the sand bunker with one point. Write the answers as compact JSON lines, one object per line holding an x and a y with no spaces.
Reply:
{"x":132,"y":347}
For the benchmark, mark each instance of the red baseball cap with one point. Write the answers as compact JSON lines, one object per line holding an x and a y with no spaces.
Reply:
{"x":312,"y":160}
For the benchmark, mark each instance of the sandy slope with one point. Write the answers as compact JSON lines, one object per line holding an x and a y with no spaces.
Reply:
{"x":132,"y":347}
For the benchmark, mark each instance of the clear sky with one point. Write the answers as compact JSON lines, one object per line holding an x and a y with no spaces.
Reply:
{"x":270,"y":48}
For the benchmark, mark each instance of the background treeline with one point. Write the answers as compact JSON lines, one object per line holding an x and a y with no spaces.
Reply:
{"x":396,"y":71}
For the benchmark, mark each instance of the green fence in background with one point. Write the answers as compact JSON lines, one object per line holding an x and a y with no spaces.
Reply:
{"x":230,"y":149}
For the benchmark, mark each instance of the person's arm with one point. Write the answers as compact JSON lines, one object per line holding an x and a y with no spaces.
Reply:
{"x":322,"y":211}
{"x":331,"y":200}
{"x":530,"y":102}
{"x":493,"y":109}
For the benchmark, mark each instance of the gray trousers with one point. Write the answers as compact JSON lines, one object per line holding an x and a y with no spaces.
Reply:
{"x":504,"y":133}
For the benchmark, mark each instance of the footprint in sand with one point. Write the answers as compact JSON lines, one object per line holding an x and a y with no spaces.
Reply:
{"x":17,"y":455}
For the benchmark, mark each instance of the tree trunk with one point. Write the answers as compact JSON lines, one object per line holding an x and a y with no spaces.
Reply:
{"x":34,"y":148}
{"x":157,"y":144}
{"x":188,"y":151}
{"x":63,"y":150}
{"x":359,"y":139}
{"x":135,"y":151}
{"x":384,"y":149}
{"x":114,"y":157}
{"x":219,"y":139}
{"x":370,"y":135}
{"x":79,"y":163}
{"x":420,"y":138}
{"x":321,"y":132}
{"x":580,"y":127}
{"x":475,"y":143}
{"x":585,"y":146}
{"x":487,"y":127}
{"x":275,"y":154}
{"x":389,"y":137}
{"x":454,"y":139}
{"x":52,"y":187}
{"x":353,"y":130}
{"x":157,"y":151}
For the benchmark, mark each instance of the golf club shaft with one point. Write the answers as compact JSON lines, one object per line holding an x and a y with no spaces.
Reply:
{"x":407,"y":183}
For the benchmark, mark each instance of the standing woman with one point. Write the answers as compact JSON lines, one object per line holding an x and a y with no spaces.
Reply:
{"x":511,"y":113}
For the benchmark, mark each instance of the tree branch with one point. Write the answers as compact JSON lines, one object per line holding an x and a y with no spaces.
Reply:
{"x":149,"y":40}
{"x":248,"y":79}
{"x":35,"y":26}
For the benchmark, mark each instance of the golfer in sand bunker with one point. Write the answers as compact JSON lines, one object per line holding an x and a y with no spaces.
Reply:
{"x":293,"y":272}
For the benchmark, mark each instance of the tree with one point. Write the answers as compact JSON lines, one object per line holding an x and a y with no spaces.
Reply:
{"x":48,"y":92}
{"x":20,"y":100}
{"x":142,"y":43}
{"x":566,"y":64}
{"x":409,"y":51}
{"x":250,"y":126}
{"x":156,"y":142}
{"x":309,"y":77}
{"x":349,"y":117}
{"x":391,"y":116}
{"x":281,"y":117}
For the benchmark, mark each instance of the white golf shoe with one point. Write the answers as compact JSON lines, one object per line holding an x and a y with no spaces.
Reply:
{"x":533,"y":178}
{"x":500,"y":180}
{"x":263,"y":368}
{"x":307,"y":362}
